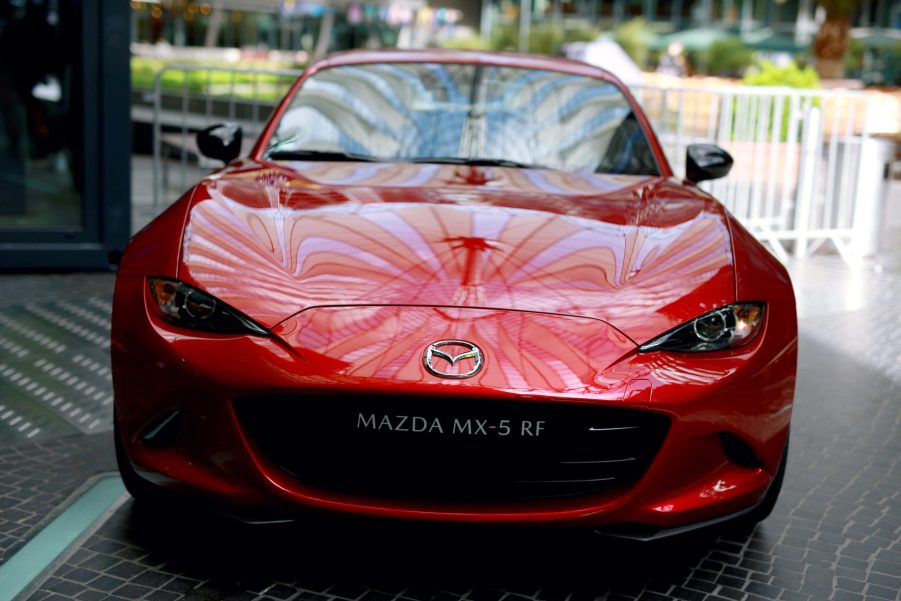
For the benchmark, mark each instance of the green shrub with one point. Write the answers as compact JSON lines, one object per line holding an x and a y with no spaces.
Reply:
{"x":143,"y":72}
{"x":729,"y":57}
{"x":260,"y":86}
{"x":580,"y":33}
{"x":697,"y":60}
{"x":854,"y":58}
{"x":790,"y":76}
{"x":471,"y":42}
{"x":635,"y":39}
{"x":880,"y":65}
{"x":504,"y":36}
{"x":544,"y":38}
{"x":892,"y":65}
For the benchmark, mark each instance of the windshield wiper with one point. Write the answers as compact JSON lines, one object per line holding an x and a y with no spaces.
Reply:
{"x":331,"y":155}
{"x":474,"y":161}
{"x":316,"y":155}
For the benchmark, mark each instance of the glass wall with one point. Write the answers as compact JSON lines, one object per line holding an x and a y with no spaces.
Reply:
{"x":41,"y":101}
{"x":65,"y":134}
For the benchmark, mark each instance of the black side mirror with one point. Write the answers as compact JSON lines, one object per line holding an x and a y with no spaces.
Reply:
{"x":221,"y":141}
{"x":706,"y":161}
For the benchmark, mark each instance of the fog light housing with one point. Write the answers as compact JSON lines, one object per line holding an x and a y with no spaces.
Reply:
{"x":160,"y":432}
{"x":738,"y":451}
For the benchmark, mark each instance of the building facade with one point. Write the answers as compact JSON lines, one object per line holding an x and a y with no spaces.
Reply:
{"x":64,"y":143}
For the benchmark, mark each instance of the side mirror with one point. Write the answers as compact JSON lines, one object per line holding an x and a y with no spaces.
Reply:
{"x":706,"y":161}
{"x":221,"y":141}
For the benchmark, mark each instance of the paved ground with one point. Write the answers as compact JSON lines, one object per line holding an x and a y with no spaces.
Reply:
{"x":39,"y":479}
{"x":54,"y":356}
{"x":835,"y":534}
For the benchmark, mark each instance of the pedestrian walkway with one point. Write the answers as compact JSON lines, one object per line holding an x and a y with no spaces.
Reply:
{"x":55,"y":376}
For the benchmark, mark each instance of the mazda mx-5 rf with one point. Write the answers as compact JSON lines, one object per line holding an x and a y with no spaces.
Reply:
{"x":456,"y":286}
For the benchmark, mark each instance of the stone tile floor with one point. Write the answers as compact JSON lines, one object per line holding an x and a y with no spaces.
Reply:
{"x":835,"y":534}
{"x":37,"y":481}
{"x":54,"y":356}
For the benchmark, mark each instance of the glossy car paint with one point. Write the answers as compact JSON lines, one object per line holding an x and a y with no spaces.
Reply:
{"x":357,"y":267}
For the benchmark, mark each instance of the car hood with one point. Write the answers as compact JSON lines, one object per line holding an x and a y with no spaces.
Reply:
{"x":642,"y":254}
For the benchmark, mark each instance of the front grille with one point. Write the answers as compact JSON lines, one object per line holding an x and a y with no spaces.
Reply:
{"x":363,"y":445}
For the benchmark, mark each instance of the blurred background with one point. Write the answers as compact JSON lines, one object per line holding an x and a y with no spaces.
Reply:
{"x":852,"y":39}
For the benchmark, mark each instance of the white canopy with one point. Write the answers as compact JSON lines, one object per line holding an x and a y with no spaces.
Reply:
{"x":606,"y":54}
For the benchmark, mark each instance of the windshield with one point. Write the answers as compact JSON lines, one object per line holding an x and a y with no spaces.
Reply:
{"x":463,"y":113}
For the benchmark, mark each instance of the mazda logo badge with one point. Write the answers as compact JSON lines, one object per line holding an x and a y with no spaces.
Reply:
{"x":432,"y":353}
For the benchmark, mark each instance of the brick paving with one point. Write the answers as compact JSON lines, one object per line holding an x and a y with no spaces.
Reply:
{"x":37,"y":479}
{"x":834,"y":535}
{"x":55,"y":376}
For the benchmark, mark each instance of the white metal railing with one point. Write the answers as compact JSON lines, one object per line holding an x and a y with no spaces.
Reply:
{"x":187,"y":98}
{"x":806,"y":169}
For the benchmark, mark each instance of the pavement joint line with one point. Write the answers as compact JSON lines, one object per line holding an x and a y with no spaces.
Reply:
{"x":76,"y":523}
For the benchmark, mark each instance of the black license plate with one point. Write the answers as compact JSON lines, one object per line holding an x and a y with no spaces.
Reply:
{"x":448,"y":425}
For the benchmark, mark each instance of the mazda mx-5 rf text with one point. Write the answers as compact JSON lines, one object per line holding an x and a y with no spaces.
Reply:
{"x":456,"y":286}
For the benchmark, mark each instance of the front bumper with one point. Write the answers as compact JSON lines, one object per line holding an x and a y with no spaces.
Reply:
{"x":745,"y":394}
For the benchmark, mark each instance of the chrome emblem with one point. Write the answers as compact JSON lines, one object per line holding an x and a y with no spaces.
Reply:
{"x":432,"y":352}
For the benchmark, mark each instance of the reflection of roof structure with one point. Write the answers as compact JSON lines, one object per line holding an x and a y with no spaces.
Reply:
{"x":407,"y":110}
{"x":346,"y":252}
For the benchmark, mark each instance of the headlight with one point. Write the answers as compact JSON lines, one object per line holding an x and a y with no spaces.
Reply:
{"x":727,"y":327}
{"x":185,"y":306}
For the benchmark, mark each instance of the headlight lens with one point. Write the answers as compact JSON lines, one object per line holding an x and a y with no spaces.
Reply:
{"x":727,"y":327}
{"x":186,"y":306}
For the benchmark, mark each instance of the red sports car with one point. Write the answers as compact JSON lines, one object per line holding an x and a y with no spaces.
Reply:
{"x":456,"y":286}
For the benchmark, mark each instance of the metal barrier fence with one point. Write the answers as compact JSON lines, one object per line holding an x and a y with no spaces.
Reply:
{"x":806,"y":169}
{"x":188,"y":98}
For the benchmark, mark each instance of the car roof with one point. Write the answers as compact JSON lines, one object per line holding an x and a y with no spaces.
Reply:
{"x":440,"y":55}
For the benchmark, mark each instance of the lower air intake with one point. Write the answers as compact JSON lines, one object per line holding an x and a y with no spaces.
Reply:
{"x":450,"y":449}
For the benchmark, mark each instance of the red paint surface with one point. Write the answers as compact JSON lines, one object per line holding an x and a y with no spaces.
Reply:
{"x":642,"y":254}
{"x":357,"y":267}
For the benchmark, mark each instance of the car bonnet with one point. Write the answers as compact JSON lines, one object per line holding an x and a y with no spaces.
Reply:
{"x":642,"y":254}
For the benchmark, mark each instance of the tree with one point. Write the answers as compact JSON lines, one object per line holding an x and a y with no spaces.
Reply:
{"x":834,"y":37}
